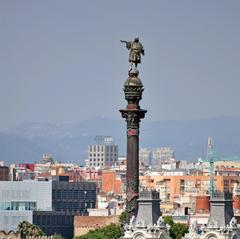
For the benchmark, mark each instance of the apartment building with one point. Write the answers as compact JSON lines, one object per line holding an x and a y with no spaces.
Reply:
{"x":103,"y":153}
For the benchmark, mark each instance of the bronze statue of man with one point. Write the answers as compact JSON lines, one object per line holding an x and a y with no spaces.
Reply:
{"x":136,"y":49}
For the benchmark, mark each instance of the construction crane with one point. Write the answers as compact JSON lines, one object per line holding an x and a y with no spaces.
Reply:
{"x":211,"y":159}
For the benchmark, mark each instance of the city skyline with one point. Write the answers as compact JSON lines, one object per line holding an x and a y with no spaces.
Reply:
{"x":58,"y":56}
{"x":70,"y":167}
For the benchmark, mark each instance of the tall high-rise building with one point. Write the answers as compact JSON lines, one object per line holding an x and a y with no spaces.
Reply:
{"x":47,"y":158}
{"x":103,"y":153}
{"x":161,"y":155}
{"x":144,"y":156}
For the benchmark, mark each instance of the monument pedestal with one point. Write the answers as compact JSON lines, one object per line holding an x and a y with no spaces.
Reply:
{"x":221,"y":224}
{"x":148,"y":224}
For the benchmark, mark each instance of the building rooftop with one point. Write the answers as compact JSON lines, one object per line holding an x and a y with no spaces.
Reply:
{"x":94,"y":221}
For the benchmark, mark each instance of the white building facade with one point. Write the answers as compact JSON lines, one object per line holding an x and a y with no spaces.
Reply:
{"x":18,"y":199}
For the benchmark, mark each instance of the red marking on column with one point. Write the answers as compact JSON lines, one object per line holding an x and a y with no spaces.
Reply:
{"x":132,"y":132}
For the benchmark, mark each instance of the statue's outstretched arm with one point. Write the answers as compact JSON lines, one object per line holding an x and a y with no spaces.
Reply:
{"x":123,"y":41}
{"x":128,"y":43}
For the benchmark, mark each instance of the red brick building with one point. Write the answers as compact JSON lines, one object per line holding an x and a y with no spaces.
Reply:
{"x":111,"y":182}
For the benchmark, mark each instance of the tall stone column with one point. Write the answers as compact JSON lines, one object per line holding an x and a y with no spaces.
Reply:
{"x":133,"y":114}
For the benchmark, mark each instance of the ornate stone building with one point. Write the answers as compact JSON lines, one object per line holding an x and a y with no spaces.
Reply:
{"x":148,"y":224}
{"x":221,"y":224}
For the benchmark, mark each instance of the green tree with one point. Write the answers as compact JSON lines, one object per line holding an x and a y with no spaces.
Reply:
{"x":112,"y":231}
{"x":177,"y":230}
{"x":27,"y":229}
{"x":109,"y":232}
{"x":168,"y":220}
{"x":123,"y":218}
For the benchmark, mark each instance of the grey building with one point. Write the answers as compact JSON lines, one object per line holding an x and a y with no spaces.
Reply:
{"x":144,"y":156}
{"x":51,"y":205}
{"x":19,"y":199}
{"x":4,"y":173}
{"x":68,"y":199}
{"x":55,"y":222}
{"x":103,"y":153}
{"x":162,"y":155}
{"x":74,"y":197}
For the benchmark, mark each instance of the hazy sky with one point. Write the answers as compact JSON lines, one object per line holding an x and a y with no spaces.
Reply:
{"x":61,"y":61}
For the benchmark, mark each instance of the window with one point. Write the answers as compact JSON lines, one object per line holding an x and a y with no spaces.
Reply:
{"x":182,"y":185}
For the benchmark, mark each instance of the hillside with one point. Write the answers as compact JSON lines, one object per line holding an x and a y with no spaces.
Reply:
{"x":68,"y":142}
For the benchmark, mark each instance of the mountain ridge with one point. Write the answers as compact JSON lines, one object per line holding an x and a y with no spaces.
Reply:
{"x":68,"y":142}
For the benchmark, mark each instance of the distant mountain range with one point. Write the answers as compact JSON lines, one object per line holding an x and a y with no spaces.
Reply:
{"x":68,"y":142}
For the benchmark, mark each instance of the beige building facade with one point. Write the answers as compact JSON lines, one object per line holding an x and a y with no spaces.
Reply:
{"x":84,"y":224}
